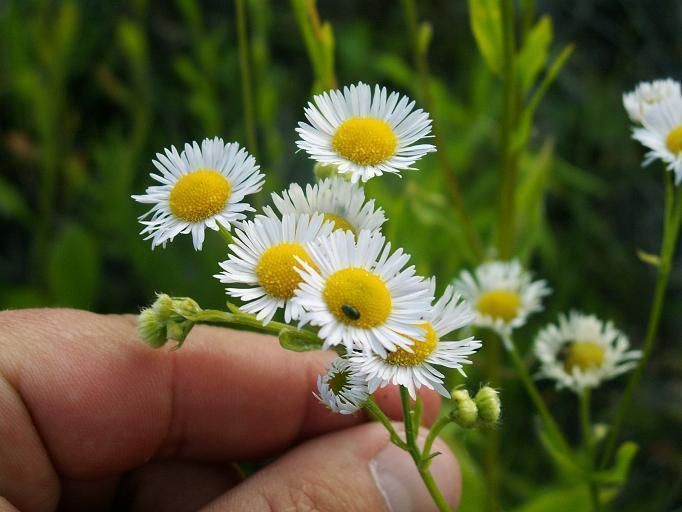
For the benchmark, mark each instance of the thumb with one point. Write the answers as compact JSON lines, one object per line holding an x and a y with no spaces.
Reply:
{"x":353,"y":470}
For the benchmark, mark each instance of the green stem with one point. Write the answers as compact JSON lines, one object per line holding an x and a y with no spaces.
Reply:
{"x":245,"y":70}
{"x":419,"y":460}
{"x":532,"y":390}
{"x":507,"y":199}
{"x":375,"y":412}
{"x":671,"y":229}
{"x":439,"y":425}
{"x":451,"y":181}
{"x":586,"y":427}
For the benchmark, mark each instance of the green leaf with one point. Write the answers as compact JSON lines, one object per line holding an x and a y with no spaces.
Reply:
{"x":533,"y":55}
{"x":558,"y":499}
{"x":73,"y":268}
{"x":12,"y":204}
{"x":291,"y":339}
{"x":424,"y":36}
{"x":618,"y":474}
{"x":486,"y":24}
{"x":651,"y":259}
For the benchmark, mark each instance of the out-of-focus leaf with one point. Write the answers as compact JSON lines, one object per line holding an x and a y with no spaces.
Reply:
{"x":73,"y":268}
{"x":618,"y":474}
{"x":12,"y":204}
{"x":290,"y":339}
{"x":533,"y":55}
{"x":24,"y":297}
{"x":651,"y":259}
{"x":486,"y":24}
{"x":558,"y":499}
{"x":424,"y":36}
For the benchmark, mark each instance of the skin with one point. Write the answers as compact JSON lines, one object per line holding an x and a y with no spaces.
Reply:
{"x":91,"y":418}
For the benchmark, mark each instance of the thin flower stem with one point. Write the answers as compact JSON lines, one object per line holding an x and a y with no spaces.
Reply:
{"x":439,"y":425}
{"x":586,"y":427}
{"x":451,"y":181}
{"x":375,"y":412}
{"x":419,"y":460}
{"x":671,"y":229}
{"x":245,"y":71}
{"x":532,"y":390}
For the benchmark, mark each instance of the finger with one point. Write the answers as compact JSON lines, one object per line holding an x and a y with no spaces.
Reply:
{"x":356,"y":469}
{"x":103,"y":402}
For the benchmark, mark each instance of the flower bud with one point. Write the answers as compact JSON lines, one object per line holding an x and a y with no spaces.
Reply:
{"x":464,"y":411}
{"x":186,"y":307}
{"x":167,"y":319}
{"x":488,"y":403}
{"x":151,"y":329}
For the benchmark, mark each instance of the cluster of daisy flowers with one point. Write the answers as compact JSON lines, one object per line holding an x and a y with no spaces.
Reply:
{"x":317,"y":256}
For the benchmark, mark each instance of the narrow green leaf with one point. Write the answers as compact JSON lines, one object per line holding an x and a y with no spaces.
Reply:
{"x":651,"y":259}
{"x":290,"y":339}
{"x":618,"y":474}
{"x":533,"y":55}
{"x":486,"y":24}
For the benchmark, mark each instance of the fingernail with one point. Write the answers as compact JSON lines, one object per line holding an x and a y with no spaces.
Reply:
{"x":396,"y":476}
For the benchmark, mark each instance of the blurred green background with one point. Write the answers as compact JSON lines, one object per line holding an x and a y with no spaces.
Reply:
{"x":90,"y":91}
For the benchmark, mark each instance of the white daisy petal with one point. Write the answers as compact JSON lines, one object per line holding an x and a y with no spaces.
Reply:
{"x":342,"y":389}
{"x":648,"y":94}
{"x":364,"y":134}
{"x":199,"y":187}
{"x":581,"y":352}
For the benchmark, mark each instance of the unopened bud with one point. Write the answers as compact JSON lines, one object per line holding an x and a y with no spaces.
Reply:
{"x":167,"y":319}
{"x":488,"y":403}
{"x":185,"y":307}
{"x":151,"y":329}
{"x":464,"y":411}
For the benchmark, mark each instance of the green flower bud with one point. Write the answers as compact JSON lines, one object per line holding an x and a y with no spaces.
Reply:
{"x":167,"y":319}
{"x":177,"y":329}
{"x":151,"y":329}
{"x":464,"y":411}
{"x":186,"y":307}
{"x":488,"y":403}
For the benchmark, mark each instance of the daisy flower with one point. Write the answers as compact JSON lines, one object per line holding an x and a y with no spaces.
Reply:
{"x":502,"y":293}
{"x":661,"y":132}
{"x":647,"y":94}
{"x":364,"y":134}
{"x":202,"y":187}
{"x":360,"y":295}
{"x":417,"y":367}
{"x":340,"y":202}
{"x":342,"y":389}
{"x":264,"y":255}
{"x":582,"y":351}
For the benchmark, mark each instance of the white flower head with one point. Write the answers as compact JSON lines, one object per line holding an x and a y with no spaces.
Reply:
{"x":502,"y":294}
{"x":340,"y":202}
{"x":202,"y":187}
{"x":342,"y":389}
{"x":648,"y":94}
{"x":417,"y":367}
{"x":364,"y":134}
{"x":360,"y":294}
{"x":582,"y":351}
{"x":661,"y":132}
{"x":264,"y":257}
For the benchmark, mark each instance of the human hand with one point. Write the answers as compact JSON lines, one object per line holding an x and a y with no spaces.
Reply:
{"x":92,"y":419}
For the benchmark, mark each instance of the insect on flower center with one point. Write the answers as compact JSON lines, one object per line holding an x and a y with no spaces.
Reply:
{"x":338,"y":381}
{"x":674,"y":140}
{"x":420,"y":349}
{"x":502,"y":304}
{"x":583,"y":355}
{"x":339,"y":222}
{"x":357,"y":297}
{"x":365,"y":140}
{"x":199,"y":195}
{"x":276,"y":270}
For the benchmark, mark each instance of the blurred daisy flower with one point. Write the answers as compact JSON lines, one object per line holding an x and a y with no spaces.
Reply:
{"x":661,"y":132}
{"x":340,"y":202}
{"x":502,"y":294}
{"x":342,"y":389}
{"x":200,"y":187}
{"x":264,"y":255}
{"x":582,"y":351}
{"x":360,"y":295}
{"x":648,"y":94}
{"x":414,"y":366}
{"x":364,"y":134}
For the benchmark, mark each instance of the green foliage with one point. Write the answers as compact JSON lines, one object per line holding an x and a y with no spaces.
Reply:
{"x":486,"y":26}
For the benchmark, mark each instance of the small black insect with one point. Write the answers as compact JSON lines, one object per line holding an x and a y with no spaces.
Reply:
{"x":350,"y":311}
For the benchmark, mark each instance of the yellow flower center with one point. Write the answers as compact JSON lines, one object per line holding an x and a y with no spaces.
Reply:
{"x":276,"y":269}
{"x":337,"y":381}
{"x":199,"y":195}
{"x":583,"y":355}
{"x":365,"y":140}
{"x":357,"y":297}
{"x":502,"y":304}
{"x":674,"y":140}
{"x":420,"y":350}
{"x":339,"y":222}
